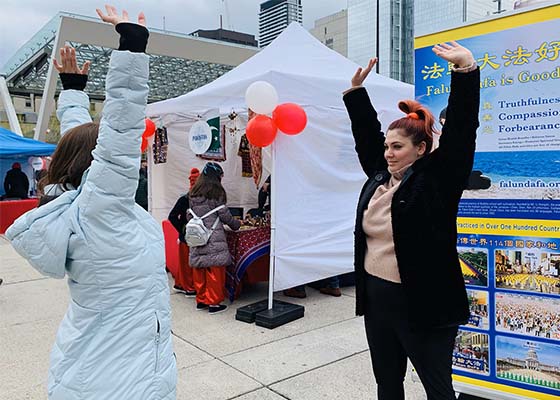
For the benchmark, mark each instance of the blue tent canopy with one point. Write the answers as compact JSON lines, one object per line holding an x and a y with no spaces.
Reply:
{"x":14,"y":146}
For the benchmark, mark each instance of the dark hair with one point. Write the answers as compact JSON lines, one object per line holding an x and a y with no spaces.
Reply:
{"x":418,"y":124}
{"x":72,"y":157}
{"x":209,"y":183}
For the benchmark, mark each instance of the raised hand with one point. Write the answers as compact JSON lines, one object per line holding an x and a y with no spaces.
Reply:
{"x":454,"y":53}
{"x":69,"y":64}
{"x":362,"y":73}
{"x":114,"y":18}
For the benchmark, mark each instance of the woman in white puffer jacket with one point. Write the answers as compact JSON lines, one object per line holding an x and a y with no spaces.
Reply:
{"x":114,"y":342}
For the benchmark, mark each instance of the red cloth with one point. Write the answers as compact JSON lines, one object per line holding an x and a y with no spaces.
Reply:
{"x":171,"y":238}
{"x":10,"y":210}
{"x":256,"y":162}
{"x":209,"y":284}
{"x":184,"y":276}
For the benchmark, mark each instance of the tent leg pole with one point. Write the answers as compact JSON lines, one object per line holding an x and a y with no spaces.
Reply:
{"x":9,"y":107}
{"x":272,"y":228}
{"x":278,"y":312}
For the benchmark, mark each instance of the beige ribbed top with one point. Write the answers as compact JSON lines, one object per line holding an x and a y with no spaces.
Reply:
{"x":380,"y":259}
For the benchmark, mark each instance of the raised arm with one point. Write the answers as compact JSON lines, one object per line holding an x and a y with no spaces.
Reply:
{"x":458,"y":140}
{"x":226,"y":218}
{"x":73,"y":102}
{"x":366,"y":127}
{"x":111,"y":183}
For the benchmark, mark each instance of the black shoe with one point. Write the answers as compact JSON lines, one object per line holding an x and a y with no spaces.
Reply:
{"x":178,"y":289}
{"x":217,"y":309}
{"x":201,"y":306}
{"x":189,"y":293}
{"x":295,"y":292}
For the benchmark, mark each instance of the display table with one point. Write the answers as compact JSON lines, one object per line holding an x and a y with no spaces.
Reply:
{"x":249,"y":249}
{"x":10,"y":210}
{"x":250,"y":252}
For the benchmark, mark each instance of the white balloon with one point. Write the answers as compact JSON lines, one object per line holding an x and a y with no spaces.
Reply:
{"x":261,"y":97}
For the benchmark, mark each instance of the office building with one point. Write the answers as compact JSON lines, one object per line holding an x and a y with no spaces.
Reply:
{"x":332,"y":31}
{"x":275,"y":16}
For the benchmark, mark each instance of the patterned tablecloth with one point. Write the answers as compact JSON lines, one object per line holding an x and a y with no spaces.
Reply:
{"x":247,"y":246}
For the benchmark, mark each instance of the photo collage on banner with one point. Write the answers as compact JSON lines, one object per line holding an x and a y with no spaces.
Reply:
{"x":508,"y":223}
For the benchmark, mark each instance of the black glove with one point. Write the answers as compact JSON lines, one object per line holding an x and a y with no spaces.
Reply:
{"x":73,"y":81}
{"x":134,"y":37}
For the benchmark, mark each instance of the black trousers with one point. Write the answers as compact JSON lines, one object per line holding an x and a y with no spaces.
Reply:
{"x":391,"y":342}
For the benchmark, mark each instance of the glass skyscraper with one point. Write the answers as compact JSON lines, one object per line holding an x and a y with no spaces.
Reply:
{"x":386,"y":25}
{"x":275,"y":16}
{"x":386,"y":28}
{"x":434,"y":16}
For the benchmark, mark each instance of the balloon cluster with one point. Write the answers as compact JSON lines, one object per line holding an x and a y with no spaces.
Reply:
{"x":149,"y":131}
{"x":290,"y":118}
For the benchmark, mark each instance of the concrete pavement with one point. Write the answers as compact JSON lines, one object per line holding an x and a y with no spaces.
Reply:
{"x":321,"y":356}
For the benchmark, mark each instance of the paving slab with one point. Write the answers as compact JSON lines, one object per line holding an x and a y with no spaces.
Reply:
{"x":221,"y":334}
{"x":349,"y":378}
{"x":213,"y":380}
{"x":261,"y":394}
{"x":14,"y":268}
{"x":294,"y":355}
{"x":29,"y":301}
{"x":323,"y":355}
{"x":25,"y":359}
{"x":187,"y":354}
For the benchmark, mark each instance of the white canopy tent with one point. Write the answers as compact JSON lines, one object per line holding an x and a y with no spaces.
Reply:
{"x":317,"y":176}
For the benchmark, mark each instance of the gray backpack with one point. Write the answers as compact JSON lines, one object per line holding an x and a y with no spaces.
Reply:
{"x":196,"y":234}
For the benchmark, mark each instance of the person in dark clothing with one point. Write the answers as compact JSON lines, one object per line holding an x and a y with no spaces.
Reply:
{"x":264,"y":193}
{"x":16,"y":184}
{"x":405,"y":252}
{"x":141,"y":197}
{"x":178,"y":217}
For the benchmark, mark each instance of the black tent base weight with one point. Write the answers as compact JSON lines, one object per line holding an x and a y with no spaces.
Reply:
{"x":280,"y":314}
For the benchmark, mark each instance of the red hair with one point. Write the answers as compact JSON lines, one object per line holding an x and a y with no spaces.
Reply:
{"x":418,"y":124}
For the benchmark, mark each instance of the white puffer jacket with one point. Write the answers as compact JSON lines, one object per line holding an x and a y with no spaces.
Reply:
{"x":114,"y":342}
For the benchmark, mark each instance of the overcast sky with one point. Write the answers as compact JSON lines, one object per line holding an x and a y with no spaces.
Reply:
{"x":21,"y":19}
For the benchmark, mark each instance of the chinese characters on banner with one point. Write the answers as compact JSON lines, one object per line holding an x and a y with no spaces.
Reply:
{"x":508,"y":225}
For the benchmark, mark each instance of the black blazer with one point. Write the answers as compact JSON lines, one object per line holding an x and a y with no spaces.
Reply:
{"x":424,"y":207}
{"x":178,"y":216}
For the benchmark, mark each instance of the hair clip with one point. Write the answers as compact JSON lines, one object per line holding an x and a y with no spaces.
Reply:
{"x":412,"y":115}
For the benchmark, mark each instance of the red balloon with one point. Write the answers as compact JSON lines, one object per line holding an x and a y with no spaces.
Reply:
{"x":261,"y":131}
{"x":150,"y":128}
{"x":144,"y":145}
{"x":289,"y":118}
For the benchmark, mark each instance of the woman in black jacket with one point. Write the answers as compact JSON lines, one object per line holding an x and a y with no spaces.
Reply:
{"x":409,"y":284}
{"x":184,"y":281}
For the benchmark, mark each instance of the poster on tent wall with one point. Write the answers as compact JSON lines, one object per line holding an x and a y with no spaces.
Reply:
{"x":509,"y":230}
{"x":217,"y":149}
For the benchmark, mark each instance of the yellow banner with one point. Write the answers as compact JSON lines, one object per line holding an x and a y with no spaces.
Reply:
{"x":489,"y":26}
{"x":504,"y":388}
{"x":509,"y":227}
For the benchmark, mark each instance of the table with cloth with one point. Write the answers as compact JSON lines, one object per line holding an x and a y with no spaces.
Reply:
{"x":10,"y":210}
{"x":250,"y":252}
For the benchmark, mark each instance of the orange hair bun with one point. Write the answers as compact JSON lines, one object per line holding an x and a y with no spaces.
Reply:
{"x":413,"y":115}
